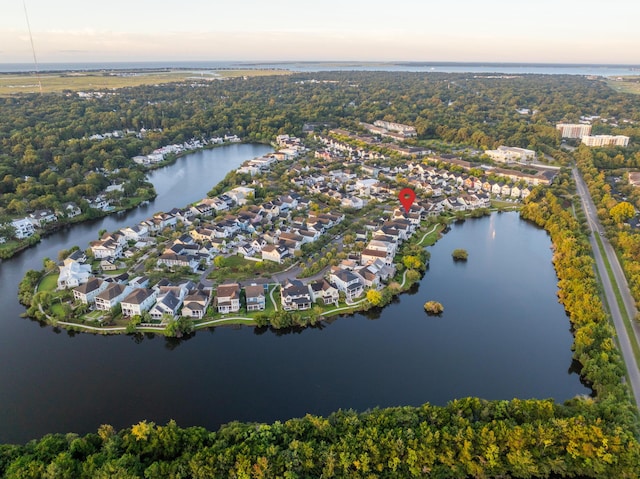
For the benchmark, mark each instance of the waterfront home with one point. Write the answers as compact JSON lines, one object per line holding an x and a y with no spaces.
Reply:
{"x":166,"y":305}
{"x":87,"y":292}
{"x":138,"y":301}
{"x":347,"y":282}
{"x":73,"y":274}
{"x":135,"y":233}
{"x":112,"y":295}
{"x":195,"y":304}
{"x":256,"y":300}
{"x":106,"y":249}
{"x":41,"y":217}
{"x":23,"y":228}
{"x":228,"y":298}
{"x":324,"y":291}
{"x":69,"y":210}
{"x":295,"y":295}
{"x":99,"y":203}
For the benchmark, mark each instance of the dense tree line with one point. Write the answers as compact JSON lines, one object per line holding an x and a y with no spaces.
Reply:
{"x":625,"y":239}
{"x":46,"y":157}
{"x":467,"y":438}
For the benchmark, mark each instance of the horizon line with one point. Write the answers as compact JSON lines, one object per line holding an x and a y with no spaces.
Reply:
{"x":394,"y":62}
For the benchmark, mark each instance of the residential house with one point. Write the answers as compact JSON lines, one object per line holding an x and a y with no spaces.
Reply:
{"x":73,"y":274}
{"x":138,"y":301}
{"x":39,"y":218}
{"x":23,"y":228}
{"x":166,"y":305}
{"x":275,"y":253}
{"x":255,"y":295}
{"x":324,"y":291}
{"x":295,"y":295}
{"x":228,"y":298}
{"x":70,"y":210}
{"x":369,"y":277}
{"x":108,"y":248}
{"x":347,"y":282}
{"x":135,"y":233}
{"x":173,"y":260}
{"x":369,"y":256}
{"x":112,"y":295}
{"x":195,"y":304}
{"x":87,"y":292}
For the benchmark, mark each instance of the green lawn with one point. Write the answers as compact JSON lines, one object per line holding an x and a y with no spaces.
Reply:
{"x":57,"y":309}
{"x":236,"y":268}
{"x":49,"y":282}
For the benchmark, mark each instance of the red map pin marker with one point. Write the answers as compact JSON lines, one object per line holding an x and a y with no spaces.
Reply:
{"x":407,"y":197}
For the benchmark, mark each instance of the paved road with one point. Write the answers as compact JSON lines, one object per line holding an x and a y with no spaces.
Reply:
{"x":629,"y":303}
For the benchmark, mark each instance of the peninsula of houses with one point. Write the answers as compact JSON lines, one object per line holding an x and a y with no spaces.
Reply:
{"x":306,"y":232}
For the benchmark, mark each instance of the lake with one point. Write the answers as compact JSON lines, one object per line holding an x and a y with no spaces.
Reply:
{"x":503,"y":335}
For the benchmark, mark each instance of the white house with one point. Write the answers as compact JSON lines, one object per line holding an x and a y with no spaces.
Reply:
{"x":23,"y":227}
{"x":111,"y":296}
{"x":195,"y":305}
{"x":347,"y":282}
{"x":295,"y":295}
{"x":73,"y":274}
{"x":138,"y":301}
{"x":256,"y":300}
{"x":228,"y":298}
{"x":87,"y":292}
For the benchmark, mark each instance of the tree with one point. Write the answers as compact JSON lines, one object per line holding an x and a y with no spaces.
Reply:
{"x":433,"y":307}
{"x":48,"y":264}
{"x":460,"y":254}
{"x":412,"y":262}
{"x":7,"y":231}
{"x":622,"y":212}
{"x":374,"y":297}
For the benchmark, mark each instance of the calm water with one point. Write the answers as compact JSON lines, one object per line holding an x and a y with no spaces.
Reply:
{"x":502,"y":335}
{"x":425,"y":67}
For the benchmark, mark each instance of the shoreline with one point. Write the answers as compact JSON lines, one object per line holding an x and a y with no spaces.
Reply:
{"x":54,"y":227}
{"x":360,"y":306}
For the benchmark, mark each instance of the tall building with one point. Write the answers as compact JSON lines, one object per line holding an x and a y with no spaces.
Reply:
{"x":573,"y":130}
{"x":606,"y":140}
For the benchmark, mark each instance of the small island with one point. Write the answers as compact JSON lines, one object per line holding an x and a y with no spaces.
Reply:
{"x":460,"y":254}
{"x":433,"y":308}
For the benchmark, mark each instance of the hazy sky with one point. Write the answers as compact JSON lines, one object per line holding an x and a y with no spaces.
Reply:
{"x":586,"y":31}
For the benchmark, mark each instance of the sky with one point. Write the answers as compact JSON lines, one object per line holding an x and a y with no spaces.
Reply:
{"x":545,"y":31}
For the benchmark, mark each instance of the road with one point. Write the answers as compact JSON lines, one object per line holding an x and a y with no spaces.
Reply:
{"x":623,"y":287}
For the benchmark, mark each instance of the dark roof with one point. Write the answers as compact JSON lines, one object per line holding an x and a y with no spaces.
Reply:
{"x":137,"y":296}
{"x":89,"y":286}
{"x":113,"y":290}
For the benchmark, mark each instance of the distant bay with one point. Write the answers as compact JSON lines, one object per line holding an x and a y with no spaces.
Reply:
{"x":309,"y":67}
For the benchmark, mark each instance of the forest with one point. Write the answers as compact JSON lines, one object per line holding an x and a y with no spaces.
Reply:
{"x":47,"y":157}
{"x":44,"y":138}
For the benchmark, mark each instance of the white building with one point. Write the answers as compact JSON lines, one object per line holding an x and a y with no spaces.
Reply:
{"x":606,"y":140}
{"x":508,"y":154}
{"x":573,"y":130}
{"x":138,"y":301}
{"x":24,"y":228}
